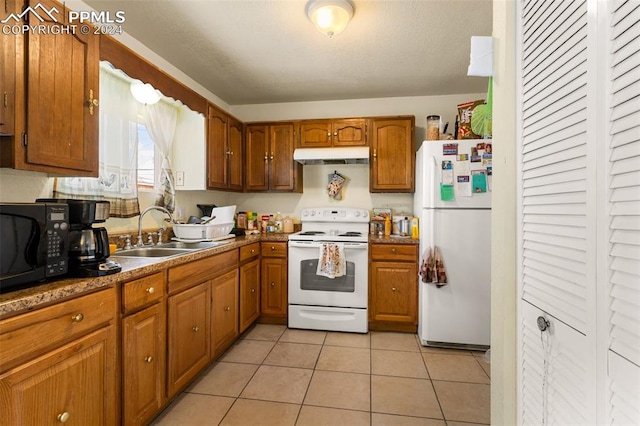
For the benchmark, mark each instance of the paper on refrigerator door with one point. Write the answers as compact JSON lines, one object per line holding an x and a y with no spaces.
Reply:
{"x":463,"y":186}
{"x":447,"y":172}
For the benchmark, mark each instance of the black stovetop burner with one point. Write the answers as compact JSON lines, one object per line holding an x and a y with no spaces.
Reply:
{"x":312,"y":233}
{"x":351,"y":234}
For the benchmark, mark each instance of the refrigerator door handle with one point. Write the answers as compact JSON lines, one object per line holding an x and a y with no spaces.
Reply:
{"x":434,"y":189}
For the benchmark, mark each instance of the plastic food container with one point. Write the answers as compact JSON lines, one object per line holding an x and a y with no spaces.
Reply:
{"x":209,"y":231}
{"x":223,"y":214}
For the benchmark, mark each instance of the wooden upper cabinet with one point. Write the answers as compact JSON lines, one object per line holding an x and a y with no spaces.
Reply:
{"x":392,"y":162}
{"x":63,"y":89}
{"x":224,"y":151}
{"x":315,"y":134}
{"x":269,"y":158}
{"x":8,"y":75}
{"x":349,"y":132}
{"x":217,"y":164}
{"x":328,"y":133}
{"x":235,"y":175}
{"x":257,"y":158}
{"x":282,"y":166}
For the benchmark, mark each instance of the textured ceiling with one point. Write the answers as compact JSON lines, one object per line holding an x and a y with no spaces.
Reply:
{"x":263,"y":51}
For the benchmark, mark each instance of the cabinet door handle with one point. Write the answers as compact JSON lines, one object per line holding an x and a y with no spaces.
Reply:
{"x":253,"y":290}
{"x":91,"y":102}
{"x":151,"y":290}
{"x":195,"y":328}
{"x":328,"y":134}
{"x":148,"y":359}
{"x":77,"y":317}
{"x":273,"y":284}
{"x":393,"y":289}
{"x":375,"y":154}
{"x":227,"y":308}
{"x":335,"y":134}
{"x":63,"y":417}
{"x":266,"y":157}
{"x":272,"y":156}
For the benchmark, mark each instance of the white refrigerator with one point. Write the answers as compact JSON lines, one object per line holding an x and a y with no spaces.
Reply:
{"x":457,"y":220}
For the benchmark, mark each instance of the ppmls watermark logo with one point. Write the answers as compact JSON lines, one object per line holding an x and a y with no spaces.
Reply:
{"x":40,"y":20}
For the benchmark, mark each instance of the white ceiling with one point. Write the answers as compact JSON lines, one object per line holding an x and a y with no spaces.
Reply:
{"x":264,"y":51}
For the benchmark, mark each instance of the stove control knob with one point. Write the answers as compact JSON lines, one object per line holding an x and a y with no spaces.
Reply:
{"x":313,"y":212}
{"x":357,"y":214}
{"x":305,"y":213}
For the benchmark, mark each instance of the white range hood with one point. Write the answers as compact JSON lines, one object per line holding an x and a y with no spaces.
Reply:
{"x":348,"y":155}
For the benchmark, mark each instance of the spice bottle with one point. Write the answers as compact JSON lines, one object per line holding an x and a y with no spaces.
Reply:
{"x":433,"y":127}
{"x":415,"y":232}
{"x":265,"y":223}
{"x":250,"y":223}
{"x":387,"y":226}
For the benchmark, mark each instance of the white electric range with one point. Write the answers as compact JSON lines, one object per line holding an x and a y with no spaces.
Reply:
{"x":320,"y":303}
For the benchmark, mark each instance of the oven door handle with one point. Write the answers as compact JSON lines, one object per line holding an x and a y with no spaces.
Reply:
{"x":318,"y":244}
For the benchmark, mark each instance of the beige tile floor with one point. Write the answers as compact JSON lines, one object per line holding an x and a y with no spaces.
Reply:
{"x":278,"y":376}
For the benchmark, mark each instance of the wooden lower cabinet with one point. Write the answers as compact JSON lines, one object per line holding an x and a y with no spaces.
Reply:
{"x":143,"y":365}
{"x":274,"y":287}
{"x":393,"y":287}
{"x":189,"y":335}
{"x":74,"y":384}
{"x":249,"y":294}
{"x":225,"y":311}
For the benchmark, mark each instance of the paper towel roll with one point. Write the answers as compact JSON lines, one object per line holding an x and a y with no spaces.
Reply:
{"x":481,"y":58}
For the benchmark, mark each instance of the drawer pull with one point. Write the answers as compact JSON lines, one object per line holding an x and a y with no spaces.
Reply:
{"x":273,"y":248}
{"x":253,"y":290}
{"x":393,"y":250}
{"x":227,"y":308}
{"x":195,"y":328}
{"x":77,"y":318}
{"x":148,"y":359}
{"x":253,"y":250}
{"x":393,"y":289}
{"x":63,"y":417}
{"x":151,"y":290}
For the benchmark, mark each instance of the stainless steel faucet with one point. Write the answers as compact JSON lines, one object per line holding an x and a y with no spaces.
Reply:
{"x":139,"y":243}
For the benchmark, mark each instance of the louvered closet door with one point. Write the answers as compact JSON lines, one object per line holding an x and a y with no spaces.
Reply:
{"x":556,"y":253}
{"x":561,"y":381}
{"x":557,"y":215}
{"x":624,"y":209}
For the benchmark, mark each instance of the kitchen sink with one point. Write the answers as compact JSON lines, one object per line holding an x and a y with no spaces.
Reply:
{"x":152,"y":252}
{"x":175,"y":248}
{"x":200,"y":245}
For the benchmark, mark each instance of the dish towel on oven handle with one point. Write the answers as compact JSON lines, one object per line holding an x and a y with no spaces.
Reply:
{"x":432,"y":269}
{"x":332,"y":262}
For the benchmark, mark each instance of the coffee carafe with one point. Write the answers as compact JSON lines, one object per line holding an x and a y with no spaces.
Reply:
{"x":88,"y":246}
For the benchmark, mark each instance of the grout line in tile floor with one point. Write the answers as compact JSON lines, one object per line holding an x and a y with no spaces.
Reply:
{"x":326,"y":342}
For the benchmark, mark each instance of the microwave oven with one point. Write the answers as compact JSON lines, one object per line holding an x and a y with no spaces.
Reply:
{"x":33,"y":243}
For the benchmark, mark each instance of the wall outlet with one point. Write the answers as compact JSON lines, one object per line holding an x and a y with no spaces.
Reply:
{"x":179,"y":178}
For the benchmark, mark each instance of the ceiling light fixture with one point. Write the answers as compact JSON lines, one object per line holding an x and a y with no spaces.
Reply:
{"x":330,"y":16}
{"x":144,"y":92}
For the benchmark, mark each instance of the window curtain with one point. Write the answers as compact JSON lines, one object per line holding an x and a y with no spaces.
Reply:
{"x":118,"y":141}
{"x":161,"y":119}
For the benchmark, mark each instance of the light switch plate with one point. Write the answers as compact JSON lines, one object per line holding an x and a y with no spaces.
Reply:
{"x":179,"y":178}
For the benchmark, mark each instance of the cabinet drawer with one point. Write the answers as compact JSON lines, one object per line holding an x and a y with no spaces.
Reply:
{"x":189,"y":274}
{"x":249,"y":252}
{"x":142,"y":292}
{"x":274,"y":249}
{"x":397,"y":252}
{"x":26,"y":336}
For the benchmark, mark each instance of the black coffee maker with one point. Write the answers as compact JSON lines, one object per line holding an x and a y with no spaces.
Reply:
{"x":88,"y":246}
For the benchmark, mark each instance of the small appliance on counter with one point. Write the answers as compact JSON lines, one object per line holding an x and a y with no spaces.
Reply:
{"x":34,"y":243}
{"x":88,"y":246}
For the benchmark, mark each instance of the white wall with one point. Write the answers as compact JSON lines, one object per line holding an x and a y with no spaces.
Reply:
{"x":503,"y":223}
{"x":17,"y":186}
{"x":420,"y":106}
